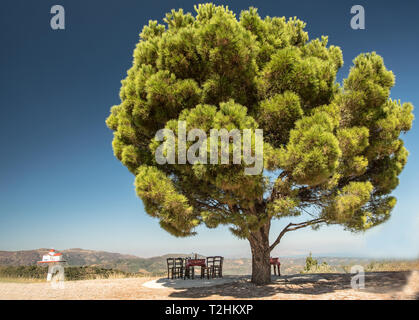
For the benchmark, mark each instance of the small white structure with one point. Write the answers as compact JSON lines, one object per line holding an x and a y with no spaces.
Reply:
{"x":55,"y":261}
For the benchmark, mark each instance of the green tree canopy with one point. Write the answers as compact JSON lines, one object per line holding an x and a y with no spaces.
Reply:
{"x":332,"y":152}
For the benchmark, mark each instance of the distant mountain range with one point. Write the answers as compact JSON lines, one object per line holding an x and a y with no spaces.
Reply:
{"x":154,"y":265}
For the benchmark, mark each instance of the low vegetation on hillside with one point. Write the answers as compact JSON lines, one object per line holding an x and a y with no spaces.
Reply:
{"x":314,"y":266}
{"x":71,"y":273}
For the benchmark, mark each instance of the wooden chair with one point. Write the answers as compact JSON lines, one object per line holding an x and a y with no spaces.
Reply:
{"x":179,"y":267}
{"x":170,"y":267}
{"x":216,"y":264}
{"x":175,"y":268}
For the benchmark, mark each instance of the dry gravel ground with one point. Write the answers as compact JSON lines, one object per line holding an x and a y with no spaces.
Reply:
{"x":378,"y":285}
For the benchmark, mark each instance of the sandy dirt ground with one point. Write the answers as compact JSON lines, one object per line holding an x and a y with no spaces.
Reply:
{"x":378,"y":285}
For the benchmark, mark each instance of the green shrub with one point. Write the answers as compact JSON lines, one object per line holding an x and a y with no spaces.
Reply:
{"x":313,"y":266}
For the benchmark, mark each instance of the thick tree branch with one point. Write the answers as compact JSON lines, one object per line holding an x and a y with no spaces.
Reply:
{"x":285,"y":230}
{"x":292,"y":227}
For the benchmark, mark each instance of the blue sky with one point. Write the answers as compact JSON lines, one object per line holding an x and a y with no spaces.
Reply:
{"x":60,"y":185}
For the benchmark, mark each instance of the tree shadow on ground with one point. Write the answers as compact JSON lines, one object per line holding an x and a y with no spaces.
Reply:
{"x":304,"y":284}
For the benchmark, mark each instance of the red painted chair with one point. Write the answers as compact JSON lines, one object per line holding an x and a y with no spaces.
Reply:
{"x":276,"y":264}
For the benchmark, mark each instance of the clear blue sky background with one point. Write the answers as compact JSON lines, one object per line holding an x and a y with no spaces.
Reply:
{"x":60,"y":185}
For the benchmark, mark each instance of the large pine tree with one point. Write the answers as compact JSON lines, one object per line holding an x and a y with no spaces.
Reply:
{"x":331,"y":152}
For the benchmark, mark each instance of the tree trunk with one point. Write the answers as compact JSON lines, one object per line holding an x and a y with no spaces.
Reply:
{"x":261,"y":268}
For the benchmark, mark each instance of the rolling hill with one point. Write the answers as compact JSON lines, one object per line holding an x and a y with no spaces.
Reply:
{"x":156,"y":265}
